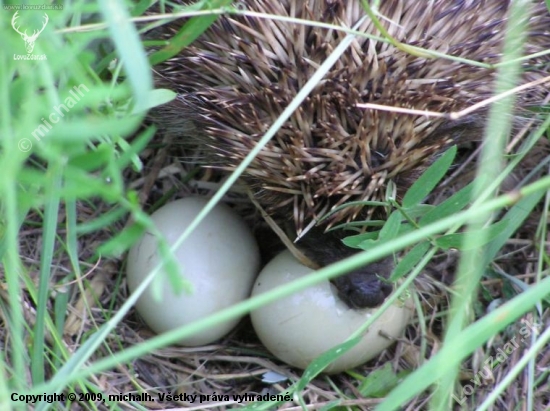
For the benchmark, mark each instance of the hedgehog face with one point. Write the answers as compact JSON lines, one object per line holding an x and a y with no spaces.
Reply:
{"x":361,"y":288}
{"x":365,"y":288}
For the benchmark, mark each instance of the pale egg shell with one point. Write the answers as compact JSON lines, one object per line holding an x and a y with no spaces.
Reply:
{"x":220,"y":259}
{"x":300,"y":327}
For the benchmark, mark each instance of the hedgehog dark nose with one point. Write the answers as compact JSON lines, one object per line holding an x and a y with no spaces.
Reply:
{"x":362,"y":291}
{"x":364,"y":288}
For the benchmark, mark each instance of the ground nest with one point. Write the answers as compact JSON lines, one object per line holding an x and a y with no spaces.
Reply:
{"x":238,"y":364}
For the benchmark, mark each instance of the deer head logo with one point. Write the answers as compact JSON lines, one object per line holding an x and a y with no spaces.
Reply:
{"x":29,"y":40}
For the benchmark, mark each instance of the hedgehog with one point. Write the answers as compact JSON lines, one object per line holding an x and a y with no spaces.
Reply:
{"x":235,"y":80}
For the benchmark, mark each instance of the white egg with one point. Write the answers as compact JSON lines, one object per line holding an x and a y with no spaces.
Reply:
{"x":220,"y":259}
{"x":300,"y":327}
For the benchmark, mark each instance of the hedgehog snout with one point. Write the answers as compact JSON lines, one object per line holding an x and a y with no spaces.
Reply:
{"x":360,"y":288}
{"x":365,"y":288}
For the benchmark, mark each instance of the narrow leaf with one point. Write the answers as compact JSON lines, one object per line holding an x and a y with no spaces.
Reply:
{"x":391,"y":228}
{"x":429,"y":179}
{"x":452,"y":205}
{"x":324,"y":360}
{"x":129,"y":48}
{"x":122,"y":241}
{"x":379,"y":383}
{"x":190,"y":31}
{"x":484,"y":236}
{"x":408,"y":262}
